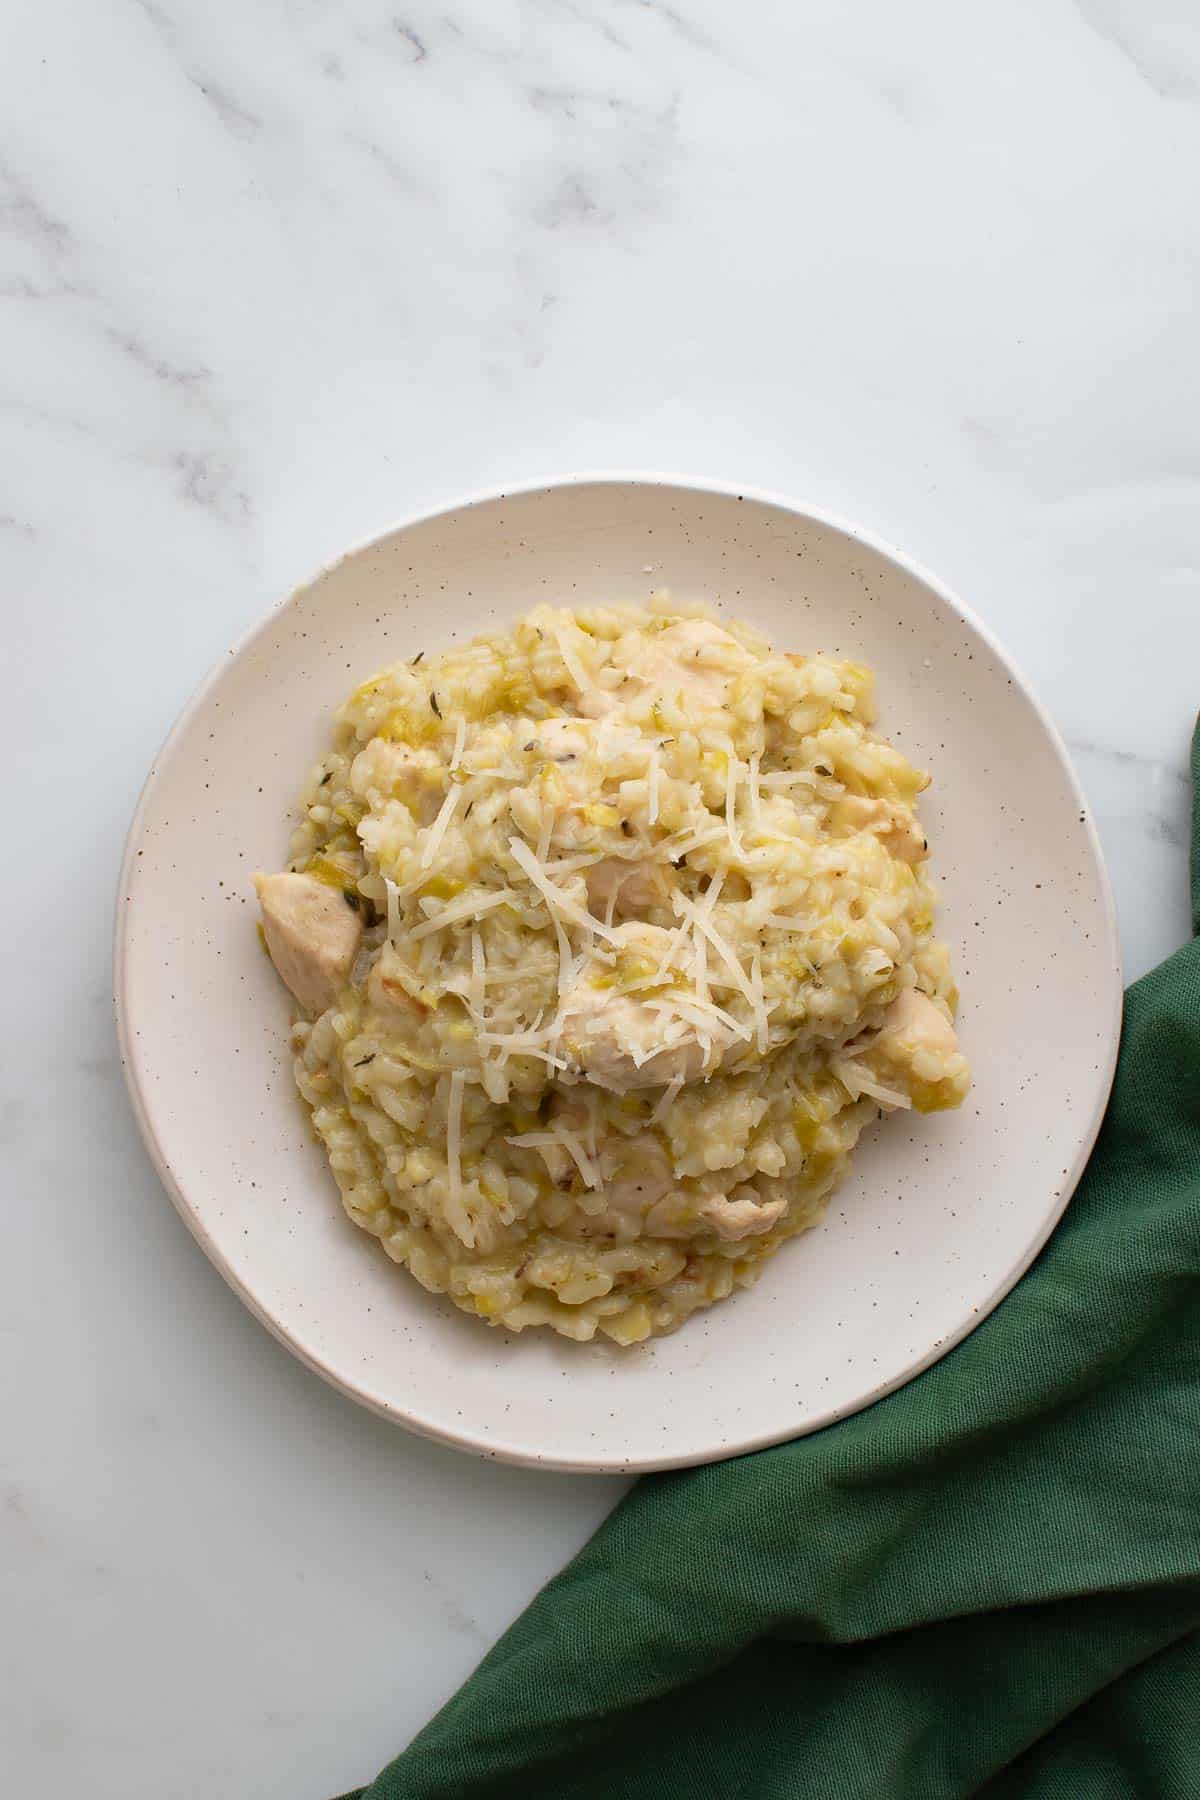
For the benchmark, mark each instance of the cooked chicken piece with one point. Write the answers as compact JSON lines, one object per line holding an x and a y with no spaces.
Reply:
{"x":386,"y":771}
{"x":312,"y":933}
{"x":616,"y":1038}
{"x":692,"y":658}
{"x":392,"y":995}
{"x":632,"y":883}
{"x":561,"y":740}
{"x":731,"y":1216}
{"x":894,"y":825}
{"x":612,"y":1038}
{"x":636,"y":1174}
{"x":914,"y":1023}
{"x":643,"y":1175}
{"x":742,"y":1214}
{"x":917,"y":1050}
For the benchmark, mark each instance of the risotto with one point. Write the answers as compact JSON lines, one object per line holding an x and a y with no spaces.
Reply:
{"x":610,"y":934}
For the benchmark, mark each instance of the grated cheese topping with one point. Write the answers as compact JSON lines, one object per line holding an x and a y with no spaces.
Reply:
{"x":458,"y":1081}
{"x":667,"y":1100}
{"x":437,"y":830}
{"x":574,"y":666}
{"x":470,"y":906}
{"x":732,"y":773}
{"x":559,"y":1137}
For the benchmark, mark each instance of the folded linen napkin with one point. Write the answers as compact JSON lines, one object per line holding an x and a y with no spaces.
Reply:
{"x":987,"y":1583}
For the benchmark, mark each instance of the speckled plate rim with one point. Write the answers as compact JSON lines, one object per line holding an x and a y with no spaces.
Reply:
{"x":518,"y":1454}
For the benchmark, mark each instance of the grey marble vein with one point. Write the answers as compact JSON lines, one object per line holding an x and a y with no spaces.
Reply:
{"x":236,"y":117}
{"x":173,"y":374}
{"x":210,"y":481}
{"x":415,"y":43}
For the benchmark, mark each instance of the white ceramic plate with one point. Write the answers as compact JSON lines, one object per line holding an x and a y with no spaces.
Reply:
{"x":939,"y":1217}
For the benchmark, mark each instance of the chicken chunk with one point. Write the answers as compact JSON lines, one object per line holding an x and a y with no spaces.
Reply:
{"x":631,"y":887}
{"x":562,"y":740}
{"x":642,"y":1174}
{"x":742,"y":1213}
{"x":636,"y":1175}
{"x":616,"y":1039}
{"x":312,"y":934}
{"x":390,"y":992}
{"x":914,"y":1023}
{"x":895,"y":826}
{"x":917,"y":1049}
{"x":693,"y":658}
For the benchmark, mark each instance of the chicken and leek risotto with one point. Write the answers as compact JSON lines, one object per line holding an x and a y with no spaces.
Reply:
{"x":610,"y":933}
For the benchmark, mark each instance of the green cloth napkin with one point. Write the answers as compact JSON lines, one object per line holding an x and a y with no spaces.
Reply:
{"x":989,"y":1582}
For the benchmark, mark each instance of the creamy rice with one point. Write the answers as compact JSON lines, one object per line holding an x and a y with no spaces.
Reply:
{"x":611,"y":933}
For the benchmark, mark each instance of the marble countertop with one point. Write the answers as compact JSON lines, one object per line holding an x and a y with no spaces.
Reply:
{"x":276,"y":275}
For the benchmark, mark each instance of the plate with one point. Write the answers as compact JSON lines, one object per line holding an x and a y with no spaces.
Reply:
{"x":939,"y":1216}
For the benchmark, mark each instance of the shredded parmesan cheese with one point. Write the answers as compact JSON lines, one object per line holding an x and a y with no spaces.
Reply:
{"x":522,"y":855}
{"x":558,"y":904}
{"x":785,"y":778}
{"x":752,"y":789}
{"x":857,"y":1081}
{"x":712,"y":894}
{"x":563,"y":1139}
{"x":610,"y":910}
{"x":545,"y":834}
{"x":574,"y":666}
{"x":667,"y":1100}
{"x":703,"y":922}
{"x":454,"y":1132}
{"x":671,"y":849}
{"x":467,"y":906}
{"x":700,"y":1013}
{"x":700,"y":966}
{"x":683,"y":932}
{"x":732,"y":771}
{"x":437,"y":830}
{"x":395,"y":921}
{"x":760,"y":1009}
{"x":571,"y":865}
{"x":477,"y":989}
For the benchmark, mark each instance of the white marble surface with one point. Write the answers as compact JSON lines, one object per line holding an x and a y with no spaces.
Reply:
{"x":275,"y":274}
